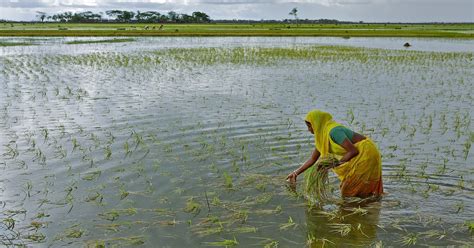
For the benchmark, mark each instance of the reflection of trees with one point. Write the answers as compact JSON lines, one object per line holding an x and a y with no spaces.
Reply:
{"x":351,"y":223}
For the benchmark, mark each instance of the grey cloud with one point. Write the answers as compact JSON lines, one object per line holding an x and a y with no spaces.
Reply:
{"x":23,"y":4}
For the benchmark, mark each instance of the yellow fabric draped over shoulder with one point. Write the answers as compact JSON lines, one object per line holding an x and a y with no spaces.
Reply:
{"x":362,"y":175}
{"x":322,"y":123}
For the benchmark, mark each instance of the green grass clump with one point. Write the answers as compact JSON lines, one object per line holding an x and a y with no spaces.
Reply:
{"x":75,"y":42}
{"x":317,"y":181}
{"x":192,"y":206}
{"x":470,"y":226}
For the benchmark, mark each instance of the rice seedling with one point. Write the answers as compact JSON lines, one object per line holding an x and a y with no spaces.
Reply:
{"x":433,"y":234}
{"x":377,"y":244}
{"x":9,"y":223}
{"x":107,"y":152}
{"x":461,"y":182}
{"x":244,"y":229}
{"x":94,"y":197}
{"x":311,"y":240}
{"x":126,"y":148}
{"x":93,"y":175}
{"x":223,"y":243}
{"x":467,"y":145}
{"x":271,"y":244}
{"x":227,"y":180}
{"x":75,"y":144}
{"x":263,"y":198}
{"x":277,"y":210}
{"x":95,"y":244}
{"x":168,"y":222}
{"x":70,"y":233}
{"x":356,"y":211}
{"x":342,"y":229}
{"x":470,"y":226}
{"x":123,"y":193}
{"x":12,"y":152}
{"x":36,"y":237}
{"x":41,"y":215}
{"x":28,"y":187}
{"x":113,"y":214}
{"x":192,"y":206}
{"x":289,"y":224}
{"x":240,"y":216}
{"x":410,"y":239}
{"x":350,"y":116}
{"x":129,"y":241}
{"x":317,"y":183}
{"x":459,"y":206}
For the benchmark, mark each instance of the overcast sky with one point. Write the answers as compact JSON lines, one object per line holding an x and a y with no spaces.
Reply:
{"x":349,"y":10}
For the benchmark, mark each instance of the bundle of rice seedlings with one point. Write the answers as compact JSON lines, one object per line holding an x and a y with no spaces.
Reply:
{"x":317,"y":181}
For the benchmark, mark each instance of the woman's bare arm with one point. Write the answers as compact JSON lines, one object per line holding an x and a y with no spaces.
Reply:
{"x":314,"y":157}
{"x":351,"y":151}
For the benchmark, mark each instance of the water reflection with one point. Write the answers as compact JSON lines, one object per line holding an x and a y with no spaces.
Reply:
{"x":352,"y":222}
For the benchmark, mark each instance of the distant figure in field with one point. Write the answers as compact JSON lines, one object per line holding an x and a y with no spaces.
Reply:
{"x":161,"y":27}
{"x":360,"y":165}
{"x":407,"y":45}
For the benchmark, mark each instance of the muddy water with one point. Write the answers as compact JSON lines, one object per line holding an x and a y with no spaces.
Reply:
{"x":136,"y":144}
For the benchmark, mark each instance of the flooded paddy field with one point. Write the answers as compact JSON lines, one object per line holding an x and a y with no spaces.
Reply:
{"x":186,"y":142}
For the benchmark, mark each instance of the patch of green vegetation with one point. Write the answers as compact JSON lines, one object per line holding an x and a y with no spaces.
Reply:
{"x":192,"y":206}
{"x":115,"y":213}
{"x":9,"y":44}
{"x":470,"y":226}
{"x":227,"y":180}
{"x":74,"y":233}
{"x":36,"y":237}
{"x":75,"y":42}
{"x":95,"y":244}
{"x":271,"y":56}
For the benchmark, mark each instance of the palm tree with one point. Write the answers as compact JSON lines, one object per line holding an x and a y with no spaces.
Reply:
{"x":294,"y":12}
{"x":41,"y":15}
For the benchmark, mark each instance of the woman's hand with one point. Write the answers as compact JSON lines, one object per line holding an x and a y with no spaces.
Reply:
{"x":292,"y":177}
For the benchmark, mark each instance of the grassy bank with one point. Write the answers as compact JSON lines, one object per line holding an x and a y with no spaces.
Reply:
{"x":340,"y":30}
{"x":7,"y":44}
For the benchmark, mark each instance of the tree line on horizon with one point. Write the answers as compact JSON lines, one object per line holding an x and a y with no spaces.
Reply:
{"x":125,"y":16}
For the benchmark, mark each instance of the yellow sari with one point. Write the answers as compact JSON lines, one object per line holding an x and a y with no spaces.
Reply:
{"x":362,"y":175}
